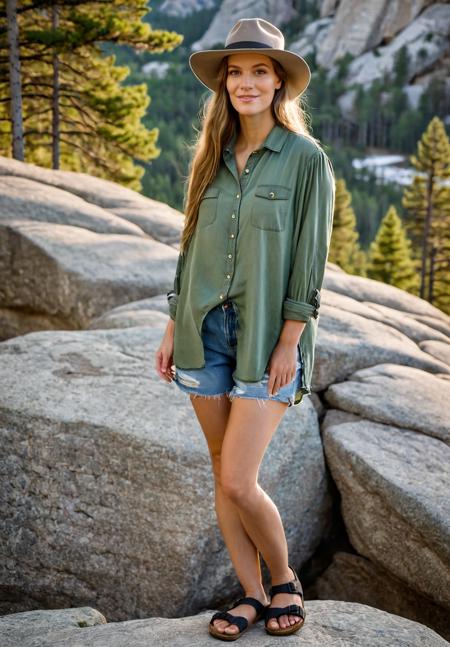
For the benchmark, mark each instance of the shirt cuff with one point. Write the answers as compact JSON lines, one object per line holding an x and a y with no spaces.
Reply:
{"x":172,"y":298}
{"x":298,"y":310}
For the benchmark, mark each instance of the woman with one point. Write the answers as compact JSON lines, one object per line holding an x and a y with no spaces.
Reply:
{"x":244,"y":308}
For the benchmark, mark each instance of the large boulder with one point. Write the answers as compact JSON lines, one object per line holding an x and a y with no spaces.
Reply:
{"x":328,"y":624}
{"x":69,"y":275}
{"x":394,"y":486}
{"x":347,"y":342}
{"x":157,"y":219}
{"x":354,"y":578}
{"x":392,"y":316}
{"x":144,"y":312}
{"x":376,"y":292}
{"x":402,"y":396}
{"x":21,"y":198}
{"x":108,"y":492}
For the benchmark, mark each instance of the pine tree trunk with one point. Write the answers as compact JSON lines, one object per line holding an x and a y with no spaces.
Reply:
{"x":55,"y":97}
{"x":15,"y":81}
{"x":432,"y":268}
{"x":426,"y":235}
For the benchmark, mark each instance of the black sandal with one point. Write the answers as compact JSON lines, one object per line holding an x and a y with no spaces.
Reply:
{"x":292,"y":609}
{"x":240,"y":621}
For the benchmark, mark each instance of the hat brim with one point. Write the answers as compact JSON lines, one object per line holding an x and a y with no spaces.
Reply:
{"x":205,"y":65}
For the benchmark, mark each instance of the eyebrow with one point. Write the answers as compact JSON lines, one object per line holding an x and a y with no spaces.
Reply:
{"x":256,"y":65}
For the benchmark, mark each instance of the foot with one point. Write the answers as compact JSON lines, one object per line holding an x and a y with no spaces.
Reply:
{"x":245,"y":610}
{"x":283,"y":600}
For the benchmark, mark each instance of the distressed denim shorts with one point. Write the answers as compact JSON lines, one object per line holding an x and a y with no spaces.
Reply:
{"x":215,"y":378}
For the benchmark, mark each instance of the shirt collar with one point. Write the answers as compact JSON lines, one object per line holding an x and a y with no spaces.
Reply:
{"x":274,"y":140}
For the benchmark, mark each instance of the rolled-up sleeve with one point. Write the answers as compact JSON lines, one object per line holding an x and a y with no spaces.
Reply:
{"x":172,"y":295}
{"x":311,"y":248}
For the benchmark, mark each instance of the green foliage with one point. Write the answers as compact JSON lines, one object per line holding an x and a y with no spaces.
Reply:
{"x":390,"y":258}
{"x":99,"y":128}
{"x":401,"y":66}
{"x":427,"y":202}
{"x":344,"y":248}
{"x":343,"y":64}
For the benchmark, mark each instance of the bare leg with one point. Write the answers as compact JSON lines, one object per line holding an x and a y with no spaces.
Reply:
{"x":213,"y":416}
{"x":249,"y":431}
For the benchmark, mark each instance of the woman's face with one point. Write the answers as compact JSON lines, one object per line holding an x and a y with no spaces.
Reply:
{"x":251,"y":74}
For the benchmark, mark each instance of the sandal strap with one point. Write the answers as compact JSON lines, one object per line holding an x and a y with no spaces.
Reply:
{"x":256,"y":604}
{"x":291,"y":609}
{"x":287,"y":587}
{"x":294,"y":586}
{"x":239,"y":621}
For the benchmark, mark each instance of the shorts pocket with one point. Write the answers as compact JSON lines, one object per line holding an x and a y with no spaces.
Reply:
{"x":270,"y":206}
{"x":208,"y":207}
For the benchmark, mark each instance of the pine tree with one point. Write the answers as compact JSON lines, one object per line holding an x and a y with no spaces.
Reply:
{"x":427,"y":201}
{"x":390,"y":258}
{"x":77,"y":111}
{"x":344,"y":248}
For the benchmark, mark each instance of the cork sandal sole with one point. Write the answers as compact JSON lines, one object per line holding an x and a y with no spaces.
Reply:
{"x":294,"y":586}
{"x":240,"y":621}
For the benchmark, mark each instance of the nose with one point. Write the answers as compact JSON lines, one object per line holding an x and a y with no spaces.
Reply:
{"x":246,"y":80}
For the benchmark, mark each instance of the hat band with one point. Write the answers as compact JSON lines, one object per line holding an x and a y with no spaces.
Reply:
{"x":247,"y":43}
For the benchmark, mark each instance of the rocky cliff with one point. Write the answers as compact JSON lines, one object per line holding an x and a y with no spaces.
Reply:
{"x":371,"y":31}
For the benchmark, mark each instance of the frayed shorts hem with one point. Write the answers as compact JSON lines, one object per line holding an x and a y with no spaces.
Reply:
{"x":232,"y":395}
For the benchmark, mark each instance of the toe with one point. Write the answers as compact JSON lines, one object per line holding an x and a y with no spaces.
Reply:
{"x":294,"y":619}
{"x":231,"y":629}
{"x":284,"y":621}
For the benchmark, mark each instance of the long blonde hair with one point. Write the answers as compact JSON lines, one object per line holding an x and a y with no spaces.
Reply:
{"x":219,"y":120}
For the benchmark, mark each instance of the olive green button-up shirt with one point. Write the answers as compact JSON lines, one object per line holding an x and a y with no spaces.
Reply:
{"x":262,"y":240}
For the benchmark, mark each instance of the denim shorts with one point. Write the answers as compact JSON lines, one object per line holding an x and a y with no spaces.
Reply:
{"x":215,"y":378}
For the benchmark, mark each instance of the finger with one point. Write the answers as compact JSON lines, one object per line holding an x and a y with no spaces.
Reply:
{"x":270,"y":383}
{"x":275,"y":387}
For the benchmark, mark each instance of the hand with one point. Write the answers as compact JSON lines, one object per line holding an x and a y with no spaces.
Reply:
{"x":164,"y":354}
{"x":282,"y":366}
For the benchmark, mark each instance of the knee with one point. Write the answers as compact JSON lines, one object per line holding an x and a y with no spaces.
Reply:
{"x":236,"y":489}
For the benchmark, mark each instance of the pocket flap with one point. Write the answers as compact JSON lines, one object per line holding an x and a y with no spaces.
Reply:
{"x":211,"y":192}
{"x":273,"y":191}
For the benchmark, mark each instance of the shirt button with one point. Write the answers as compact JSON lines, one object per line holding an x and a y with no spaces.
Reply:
{"x":228,"y":276}
{"x":247,"y":170}
{"x":232,"y":236}
{"x":220,"y":296}
{"x":237,"y":195}
{"x":271,"y":194}
{"x":233,"y":215}
{"x":230,"y":256}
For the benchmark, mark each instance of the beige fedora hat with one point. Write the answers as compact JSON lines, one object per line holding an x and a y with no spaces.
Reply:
{"x":252,"y":35}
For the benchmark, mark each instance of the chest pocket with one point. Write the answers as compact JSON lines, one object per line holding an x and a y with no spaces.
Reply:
{"x":207,"y":211}
{"x":270,"y":206}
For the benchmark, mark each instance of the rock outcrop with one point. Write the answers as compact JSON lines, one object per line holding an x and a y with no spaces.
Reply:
{"x":230,"y":11}
{"x":393,"y":484}
{"x":359,"y":26}
{"x":109,"y":497}
{"x":328,"y":624}
{"x":75,"y":246}
{"x":107,"y":492}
